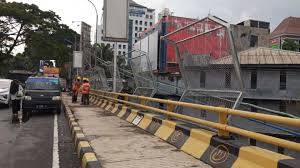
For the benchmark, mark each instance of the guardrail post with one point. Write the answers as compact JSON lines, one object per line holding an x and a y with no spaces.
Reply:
{"x":116,"y":97}
{"x":223,"y":120}
{"x":143,"y":102}
{"x":170,"y":108}
{"x":126,"y":98}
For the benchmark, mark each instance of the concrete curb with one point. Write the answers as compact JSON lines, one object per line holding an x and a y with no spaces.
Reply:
{"x":83,"y":148}
{"x":200,"y":143}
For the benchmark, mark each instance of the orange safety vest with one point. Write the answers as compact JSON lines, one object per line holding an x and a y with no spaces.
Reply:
{"x":86,"y":88}
{"x":76,"y":86}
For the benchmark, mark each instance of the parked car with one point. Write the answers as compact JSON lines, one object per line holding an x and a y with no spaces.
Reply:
{"x":42,"y":94}
{"x":4,"y":91}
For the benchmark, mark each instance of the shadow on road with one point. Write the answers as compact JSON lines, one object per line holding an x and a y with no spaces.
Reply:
{"x":3,"y":106}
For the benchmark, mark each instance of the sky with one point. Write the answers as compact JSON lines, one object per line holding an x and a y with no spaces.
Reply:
{"x":233,"y":11}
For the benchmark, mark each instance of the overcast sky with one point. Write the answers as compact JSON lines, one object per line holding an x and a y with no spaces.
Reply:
{"x":232,"y":11}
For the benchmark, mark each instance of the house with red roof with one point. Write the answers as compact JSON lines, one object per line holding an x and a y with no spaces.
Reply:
{"x":289,"y":28}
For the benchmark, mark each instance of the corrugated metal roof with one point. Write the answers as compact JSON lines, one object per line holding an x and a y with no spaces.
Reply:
{"x":263,"y":56}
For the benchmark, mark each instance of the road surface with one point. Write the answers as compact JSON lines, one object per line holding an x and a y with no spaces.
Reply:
{"x":44,"y":141}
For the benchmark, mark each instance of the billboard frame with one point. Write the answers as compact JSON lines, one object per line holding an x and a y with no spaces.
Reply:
{"x":114,"y":39}
{"x":75,"y":63}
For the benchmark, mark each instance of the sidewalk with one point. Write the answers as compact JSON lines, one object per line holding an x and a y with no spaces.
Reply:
{"x":119,"y":144}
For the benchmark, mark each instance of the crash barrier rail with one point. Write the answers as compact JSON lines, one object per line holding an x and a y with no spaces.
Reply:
{"x":222,"y":127}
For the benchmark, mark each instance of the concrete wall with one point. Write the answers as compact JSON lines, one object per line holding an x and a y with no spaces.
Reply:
{"x":242,"y":36}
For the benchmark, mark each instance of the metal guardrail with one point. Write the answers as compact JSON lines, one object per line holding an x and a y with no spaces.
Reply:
{"x":222,"y":127}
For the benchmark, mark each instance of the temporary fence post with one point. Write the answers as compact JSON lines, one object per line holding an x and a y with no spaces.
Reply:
{"x":223,"y":120}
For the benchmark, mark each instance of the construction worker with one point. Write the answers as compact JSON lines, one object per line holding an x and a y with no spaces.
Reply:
{"x":75,"y":89}
{"x":85,"y":90}
{"x":16,"y":94}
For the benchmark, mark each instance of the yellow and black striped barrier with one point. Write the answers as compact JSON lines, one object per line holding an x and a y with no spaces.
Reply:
{"x":83,"y":148}
{"x":202,"y":144}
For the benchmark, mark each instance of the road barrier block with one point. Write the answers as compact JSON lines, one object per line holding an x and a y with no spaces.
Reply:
{"x":89,"y":160}
{"x":84,"y":150}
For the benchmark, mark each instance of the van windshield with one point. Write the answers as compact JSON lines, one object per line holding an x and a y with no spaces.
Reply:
{"x":42,"y":84}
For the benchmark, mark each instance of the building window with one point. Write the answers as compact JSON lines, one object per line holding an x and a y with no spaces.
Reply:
{"x":124,"y":46}
{"x":282,"y":80}
{"x":253,"y":41}
{"x":120,"y":46}
{"x":202,"y":79}
{"x":135,"y":41}
{"x":123,"y":52}
{"x":141,"y":22}
{"x":228,"y":79}
{"x":141,"y":29}
{"x":150,"y":23}
{"x":136,"y":28}
{"x":151,"y":17}
{"x":253,"y":80}
{"x":136,"y":22}
{"x":147,"y":16}
{"x":135,"y":34}
{"x":119,"y":52}
{"x":146,"y":23}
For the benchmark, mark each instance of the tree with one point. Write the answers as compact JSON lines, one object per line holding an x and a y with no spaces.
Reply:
{"x":40,"y":31}
{"x":18,"y":21}
{"x":290,"y":44}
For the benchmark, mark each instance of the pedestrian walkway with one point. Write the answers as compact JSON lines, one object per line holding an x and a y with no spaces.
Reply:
{"x":120,"y":144}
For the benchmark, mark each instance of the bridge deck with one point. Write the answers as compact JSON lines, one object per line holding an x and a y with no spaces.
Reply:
{"x":119,"y":144}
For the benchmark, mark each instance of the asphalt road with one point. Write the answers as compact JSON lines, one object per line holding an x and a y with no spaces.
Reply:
{"x":30,"y":144}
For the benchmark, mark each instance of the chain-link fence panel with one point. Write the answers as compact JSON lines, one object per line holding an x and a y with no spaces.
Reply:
{"x":142,"y":72}
{"x":263,"y":127}
{"x":199,"y":49}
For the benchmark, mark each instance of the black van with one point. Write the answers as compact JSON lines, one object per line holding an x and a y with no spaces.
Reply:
{"x":42,"y":94}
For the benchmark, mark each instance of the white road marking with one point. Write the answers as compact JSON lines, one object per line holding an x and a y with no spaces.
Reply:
{"x":55,"y":161}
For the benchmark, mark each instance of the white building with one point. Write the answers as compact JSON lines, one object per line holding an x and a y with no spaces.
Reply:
{"x":140,"y":19}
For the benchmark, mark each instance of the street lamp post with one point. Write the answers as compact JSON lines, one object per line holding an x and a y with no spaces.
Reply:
{"x":96,"y":41}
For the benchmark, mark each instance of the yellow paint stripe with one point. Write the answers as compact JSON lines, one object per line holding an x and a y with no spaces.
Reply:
{"x":88,"y":157}
{"x":252,"y":156}
{"x":73,"y":124}
{"x":104,"y":104}
{"x":100,"y":103}
{"x":132,"y":115}
{"x":166,"y":129}
{"x":77,"y":136}
{"x":109,"y":106}
{"x":197,"y":143}
{"x":95,"y":101}
{"x":82,"y":144}
{"x":123,"y":111}
{"x":114,"y":110}
{"x":145,"y":122}
{"x":75,"y":129}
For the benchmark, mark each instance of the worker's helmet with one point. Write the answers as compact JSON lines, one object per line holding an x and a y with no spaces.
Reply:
{"x":78,"y":78}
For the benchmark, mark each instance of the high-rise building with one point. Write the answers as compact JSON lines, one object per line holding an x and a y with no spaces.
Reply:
{"x":140,"y":19}
{"x":2,"y":1}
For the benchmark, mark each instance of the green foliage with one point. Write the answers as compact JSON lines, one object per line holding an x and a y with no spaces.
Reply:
{"x":290,"y":44}
{"x":41,"y":33}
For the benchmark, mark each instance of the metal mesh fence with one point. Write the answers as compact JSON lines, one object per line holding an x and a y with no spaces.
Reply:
{"x":200,"y":50}
{"x":142,"y":71}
